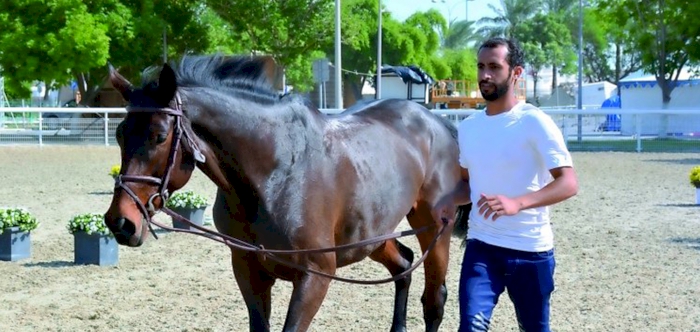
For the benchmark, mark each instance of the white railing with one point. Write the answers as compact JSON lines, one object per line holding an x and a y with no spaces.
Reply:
{"x":42,"y":122}
{"x":582,"y":128}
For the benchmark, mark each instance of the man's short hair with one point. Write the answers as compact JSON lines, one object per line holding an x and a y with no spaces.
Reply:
{"x":515,"y":56}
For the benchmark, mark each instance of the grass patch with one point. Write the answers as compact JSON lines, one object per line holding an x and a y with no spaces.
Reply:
{"x":630,"y":145}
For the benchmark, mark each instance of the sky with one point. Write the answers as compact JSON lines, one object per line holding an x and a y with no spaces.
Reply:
{"x":451,"y":9}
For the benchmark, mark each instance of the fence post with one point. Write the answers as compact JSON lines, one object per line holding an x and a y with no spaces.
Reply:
{"x":41,"y":128}
{"x":106,"y":119}
{"x":638,"y":131}
{"x":565,"y":129}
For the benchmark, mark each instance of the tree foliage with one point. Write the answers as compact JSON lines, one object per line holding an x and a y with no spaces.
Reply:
{"x":664,"y":32}
{"x":546,"y":41}
{"x":48,"y":41}
{"x":291,"y":30}
{"x":57,"y":41}
{"x":508,"y":16}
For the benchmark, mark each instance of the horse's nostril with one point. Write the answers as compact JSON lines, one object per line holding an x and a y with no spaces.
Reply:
{"x":120,"y":223}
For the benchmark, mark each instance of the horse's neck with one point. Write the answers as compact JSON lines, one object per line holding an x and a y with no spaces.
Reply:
{"x":249,"y":140}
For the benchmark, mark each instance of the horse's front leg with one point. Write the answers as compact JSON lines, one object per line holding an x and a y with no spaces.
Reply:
{"x":307,"y":296}
{"x":256,"y":287}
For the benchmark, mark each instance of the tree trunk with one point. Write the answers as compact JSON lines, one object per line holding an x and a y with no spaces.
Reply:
{"x":666,"y":90}
{"x":88,"y":89}
{"x":535,"y":98}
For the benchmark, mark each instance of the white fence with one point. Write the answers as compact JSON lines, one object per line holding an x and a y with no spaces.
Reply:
{"x":586,"y":130}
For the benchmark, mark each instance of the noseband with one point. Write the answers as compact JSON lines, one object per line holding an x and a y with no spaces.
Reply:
{"x":162,"y":183}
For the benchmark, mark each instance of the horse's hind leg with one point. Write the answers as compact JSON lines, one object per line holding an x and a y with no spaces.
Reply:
{"x":435,"y":265}
{"x":256,"y":288}
{"x":397,"y":258}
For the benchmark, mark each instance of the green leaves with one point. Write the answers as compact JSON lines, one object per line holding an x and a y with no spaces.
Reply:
{"x":90,"y":223}
{"x":661,"y":32}
{"x":288,"y":30}
{"x":17,"y":217}
{"x":44,"y":40}
{"x":186,"y":199}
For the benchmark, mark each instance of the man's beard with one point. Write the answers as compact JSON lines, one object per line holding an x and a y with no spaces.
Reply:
{"x":499,"y":91}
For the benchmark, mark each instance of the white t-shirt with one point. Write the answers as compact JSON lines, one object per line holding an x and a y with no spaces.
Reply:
{"x":511,"y":154}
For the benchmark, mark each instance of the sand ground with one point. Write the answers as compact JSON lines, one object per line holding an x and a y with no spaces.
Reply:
{"x":628,"y":252}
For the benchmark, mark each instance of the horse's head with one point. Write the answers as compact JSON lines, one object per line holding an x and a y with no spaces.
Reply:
{"x":158,"y":154}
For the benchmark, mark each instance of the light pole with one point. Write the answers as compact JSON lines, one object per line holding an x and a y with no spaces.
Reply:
{"x":379,"y":53}
{"x":338,"y":77}
{"x":580,"y":71}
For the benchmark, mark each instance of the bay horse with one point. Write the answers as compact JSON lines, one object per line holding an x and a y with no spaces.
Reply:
{"x":289,"y":177}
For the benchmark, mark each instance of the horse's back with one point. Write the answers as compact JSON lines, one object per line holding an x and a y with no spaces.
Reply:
{"x":397,"y":114}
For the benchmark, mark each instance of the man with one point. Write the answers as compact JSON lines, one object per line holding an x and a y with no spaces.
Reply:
{"x":516,"y":163}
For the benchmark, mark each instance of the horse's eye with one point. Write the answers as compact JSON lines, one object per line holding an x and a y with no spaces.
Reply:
{"x":161,"y":138}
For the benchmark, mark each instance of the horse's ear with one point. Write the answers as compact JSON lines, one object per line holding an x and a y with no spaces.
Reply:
{"x":120,"y":83}
{"x":167,"y":84}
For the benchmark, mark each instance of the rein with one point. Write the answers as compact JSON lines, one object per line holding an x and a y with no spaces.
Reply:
{"x":270,"y":253}
{"x":162,"y":192}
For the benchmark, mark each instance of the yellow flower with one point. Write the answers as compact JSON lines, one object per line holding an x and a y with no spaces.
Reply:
{"x":695,"y":176}
{"x":115,"y":170}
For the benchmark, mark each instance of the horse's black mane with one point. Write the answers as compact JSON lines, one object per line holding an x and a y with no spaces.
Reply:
{"x":241,"y":75}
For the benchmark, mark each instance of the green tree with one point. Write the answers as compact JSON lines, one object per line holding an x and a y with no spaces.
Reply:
{"x":289,"y":30}
{"x":47,"y":41}
{"x":660,"y":30}
{"x":509,"y":16}
{"x":461,"y":64}
{"x":458,"y":35}
{"x":56,"y":41}
{"x":546,"y":41}
{"x":412,"y":42}
{"x":599,"y":31}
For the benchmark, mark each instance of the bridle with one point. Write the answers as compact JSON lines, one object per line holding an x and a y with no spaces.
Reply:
{"x":162,"y":192}
{"x":162,"y":183}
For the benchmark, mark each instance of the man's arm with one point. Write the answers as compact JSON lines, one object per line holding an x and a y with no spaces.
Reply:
{"x":564,"y":186}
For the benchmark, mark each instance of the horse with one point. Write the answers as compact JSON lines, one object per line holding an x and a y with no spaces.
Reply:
{"x":290,"y":177}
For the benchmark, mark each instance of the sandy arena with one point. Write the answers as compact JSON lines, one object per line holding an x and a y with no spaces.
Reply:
{"x":628,"y":256}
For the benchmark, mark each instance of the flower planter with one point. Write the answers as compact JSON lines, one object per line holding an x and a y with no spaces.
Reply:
{"x":697,"y":196}
{"x":95,"y":249}
{"x":196,"y":216}
{"x":15,"y":244}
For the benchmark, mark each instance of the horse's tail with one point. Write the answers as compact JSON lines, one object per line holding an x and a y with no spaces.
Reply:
{"x":462,"y":217}
{"x":462,"y":222}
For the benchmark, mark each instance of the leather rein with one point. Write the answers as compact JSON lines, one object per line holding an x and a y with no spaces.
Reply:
{"x":162,"y":192}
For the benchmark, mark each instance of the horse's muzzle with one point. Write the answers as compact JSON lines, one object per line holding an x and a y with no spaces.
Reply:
{"x":124,"y":231}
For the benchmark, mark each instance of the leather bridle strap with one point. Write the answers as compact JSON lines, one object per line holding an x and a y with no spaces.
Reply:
{"x":162,"y":192}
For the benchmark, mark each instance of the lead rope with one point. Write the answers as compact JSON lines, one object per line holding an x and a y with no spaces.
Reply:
{"x":270,"y":253}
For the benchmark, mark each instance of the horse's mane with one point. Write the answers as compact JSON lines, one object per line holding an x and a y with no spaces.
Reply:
{"x":240,"y":75}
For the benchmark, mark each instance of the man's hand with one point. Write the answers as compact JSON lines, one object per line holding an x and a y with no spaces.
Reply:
{"x":494,"y":206}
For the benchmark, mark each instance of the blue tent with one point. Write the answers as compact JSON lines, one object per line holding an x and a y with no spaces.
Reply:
{"x":612,"y":122}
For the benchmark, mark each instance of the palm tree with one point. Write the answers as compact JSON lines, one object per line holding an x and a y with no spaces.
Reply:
{"x":511,"y":13}
{"x":458,"y":35}
{"x":559,"y":6}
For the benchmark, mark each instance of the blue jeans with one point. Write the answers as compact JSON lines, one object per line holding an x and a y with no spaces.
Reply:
{"x":488,"y":270}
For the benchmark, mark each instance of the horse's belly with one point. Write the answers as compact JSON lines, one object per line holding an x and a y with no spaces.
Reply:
{"x":348,"y":257}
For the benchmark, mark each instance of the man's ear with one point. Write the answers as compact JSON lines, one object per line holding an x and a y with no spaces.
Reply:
{"x":120,"y":83}
{"x":517,"y":73}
